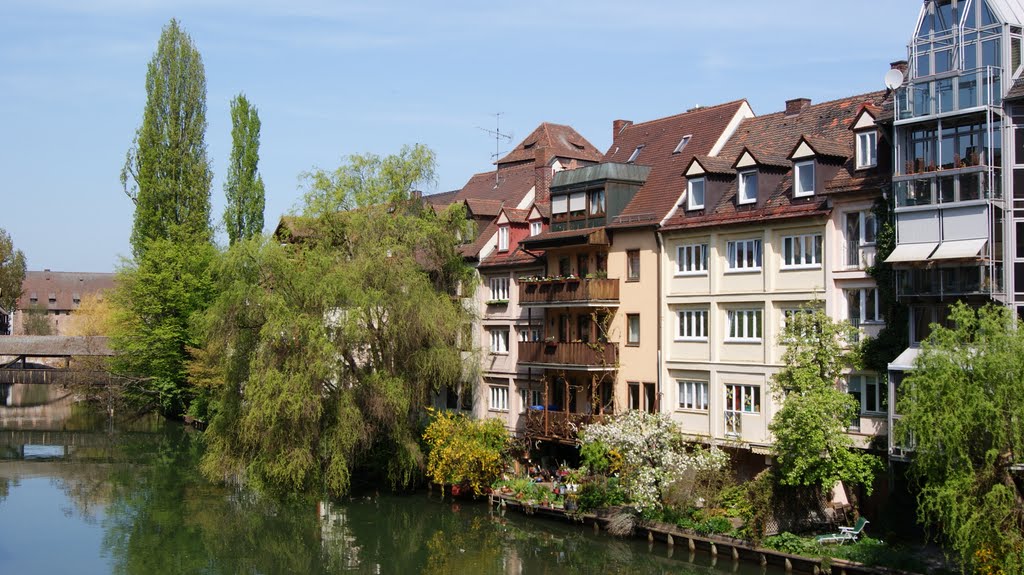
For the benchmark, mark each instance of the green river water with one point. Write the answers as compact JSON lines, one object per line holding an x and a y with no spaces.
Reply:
{"x":131,"y":500}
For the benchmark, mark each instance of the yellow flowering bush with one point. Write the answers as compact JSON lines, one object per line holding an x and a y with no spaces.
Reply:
{"x":463,"y":451}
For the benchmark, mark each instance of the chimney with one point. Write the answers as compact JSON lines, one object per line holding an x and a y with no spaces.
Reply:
{"x":796,"y":105}
{"x":900,"y":65}
{"x":619,"y":125}
{"x":417,"y":195}
{"x":542,"y":177}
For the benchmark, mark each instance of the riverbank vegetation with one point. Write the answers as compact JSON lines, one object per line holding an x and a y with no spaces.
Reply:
{"x":326,"y":344}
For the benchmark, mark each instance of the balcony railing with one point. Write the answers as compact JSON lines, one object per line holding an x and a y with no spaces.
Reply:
{"x":547,"y":292}
{"x":559,"y":425}
{"x":578,"y":354}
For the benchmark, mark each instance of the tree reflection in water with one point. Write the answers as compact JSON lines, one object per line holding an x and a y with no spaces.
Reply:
{"x":158,"y":515}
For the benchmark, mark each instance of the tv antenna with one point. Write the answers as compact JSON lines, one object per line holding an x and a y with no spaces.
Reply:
{"x":498,"y":137}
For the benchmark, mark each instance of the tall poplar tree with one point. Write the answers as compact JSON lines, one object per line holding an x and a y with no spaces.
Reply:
{"x":166,"y":171}
{"x":167,"y":175}
{"x":243,"y":215}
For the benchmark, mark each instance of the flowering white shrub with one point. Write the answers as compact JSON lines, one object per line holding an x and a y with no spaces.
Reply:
{"x":654,"y":454}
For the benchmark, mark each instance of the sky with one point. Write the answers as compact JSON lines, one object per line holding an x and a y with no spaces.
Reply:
{"x":331,"y":78}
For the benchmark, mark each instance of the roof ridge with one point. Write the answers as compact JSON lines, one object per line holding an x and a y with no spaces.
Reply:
{"x":680,"y":114}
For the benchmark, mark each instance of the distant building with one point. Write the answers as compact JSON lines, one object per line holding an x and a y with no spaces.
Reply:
{"x":57,"y":295}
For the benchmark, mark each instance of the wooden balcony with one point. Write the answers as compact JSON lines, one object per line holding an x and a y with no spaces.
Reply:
{"x":578,"y":355}
{"x":573,"y":292}
{"x":557,"y":425}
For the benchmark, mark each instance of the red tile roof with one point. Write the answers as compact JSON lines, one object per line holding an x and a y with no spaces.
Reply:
{"x":479,"y":207}
{"x":556,"y":141}
{"x":776,"y":135}
{"x":516,"y":216}
{"x":513,"y":257}
{"x":442,"y":199}
{"x":510,"y":186}
{"x":659,"y":139}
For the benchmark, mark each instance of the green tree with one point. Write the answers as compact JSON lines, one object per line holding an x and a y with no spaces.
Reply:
{"x":12,"y":273}
{"x":962,"y":409}
{"x":811,"y":445}
{"x":154,"y":305}
{"x":166,"y":171}
{"x":243,"y":214}
{"x":338,"y":340}
{"x":36,"y":321}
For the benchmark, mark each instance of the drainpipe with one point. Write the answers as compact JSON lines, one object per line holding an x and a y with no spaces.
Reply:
{"x":658,"y":239}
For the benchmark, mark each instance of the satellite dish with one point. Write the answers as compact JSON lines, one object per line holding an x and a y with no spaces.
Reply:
{"x":893,"y":79}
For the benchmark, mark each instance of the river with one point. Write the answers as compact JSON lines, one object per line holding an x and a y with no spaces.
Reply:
{"x":98,"y":499}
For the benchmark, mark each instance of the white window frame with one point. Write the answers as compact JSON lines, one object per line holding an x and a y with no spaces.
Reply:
{"x":798,"y":188}
{"x":803,"y":251}
{"x":529,"y":333}
{"x":499,"y":340}
{"x":867,"y":158}
{"x":692,"y":260}
{"x":863,"y":381}
{"x":746,"y":392}
{"x":529,"y":397}
{"x":692,"y":325}
{"x":862,"y":305}
{"x":693,"y":395}
{"x":536,"y":228}
{"x":499,"y":398}
{"x":499,"y":287}
{"x":737,"y":251}
{"x":503,"y":234}
{"x":632,"y":335}
{"x":742,"y":194}
{"x":690,"y":203}
{"x":744,"y":325}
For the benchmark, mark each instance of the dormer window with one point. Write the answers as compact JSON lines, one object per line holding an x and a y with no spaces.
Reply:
{"x":803,"y":179}
{"x":503,"y":239}
{"x":682,"y":144}
{"x":748,"y":187}
{"x":867,"y":149}
{"x":695,"y":194}
{"x":536,"y":227}
{"x":635,"y":154}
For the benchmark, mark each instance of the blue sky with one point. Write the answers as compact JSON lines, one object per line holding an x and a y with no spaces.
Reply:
{"x":337,"y":78}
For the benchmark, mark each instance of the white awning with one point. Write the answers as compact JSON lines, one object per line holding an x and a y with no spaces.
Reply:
{"x":911,"y":252}
{"x":559,"y":204}
{"x":905,"y":361}
{"x":957,"y":249}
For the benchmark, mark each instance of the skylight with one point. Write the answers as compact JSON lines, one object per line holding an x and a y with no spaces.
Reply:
{"x":635,"y":154}
{"x":682,"y":144}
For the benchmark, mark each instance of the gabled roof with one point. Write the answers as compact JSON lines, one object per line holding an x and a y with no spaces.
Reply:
{"x":711,"y":165}
{"x":515,"y":216}
{"x":479,"y":207}
{"x":508,"y":184}
{"x":555,"y":141}
{"x":761,"y":158}
{"x":660,"y":138}
{"x":824,"y":126}
{"x":542,"y":209}
{"x":822,"y":147}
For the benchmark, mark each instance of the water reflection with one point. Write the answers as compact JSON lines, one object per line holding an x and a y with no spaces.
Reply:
{"x":141,"y":497}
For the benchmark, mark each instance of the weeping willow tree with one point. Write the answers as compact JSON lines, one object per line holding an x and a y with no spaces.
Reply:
{"x":962,"y":409}
{"x":324,"y":350}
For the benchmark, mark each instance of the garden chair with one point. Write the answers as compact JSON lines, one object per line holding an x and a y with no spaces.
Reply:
{"x":845,"y":533}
